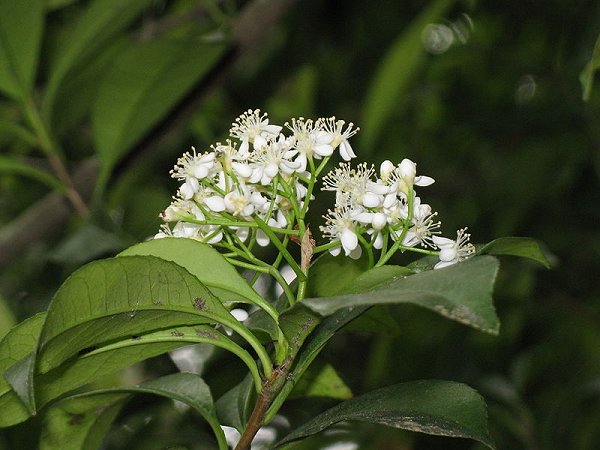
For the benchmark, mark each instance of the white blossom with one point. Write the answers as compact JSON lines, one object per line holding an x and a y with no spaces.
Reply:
{"x":340,"y":225}
{"x":310,"y":141}
{"x":338,"y":137}
{"x":354,"y":184}
{"x":453,"y":251}
{"x":253,"y":128}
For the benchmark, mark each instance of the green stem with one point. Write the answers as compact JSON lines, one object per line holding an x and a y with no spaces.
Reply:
{"x":368,"y":247}
{"x":246,"y":265}
{"x":263,"y":356}
{"x":275,"y":240}
{"x":400,"y":238}
{"x":384,"y":247}
{"x":291,"y":196}
{"x":225,"y":344}
{"x":322,"y":166}
{"x":229,"y":223}
{"x":284,"y":285}
{"x":325,"y":247}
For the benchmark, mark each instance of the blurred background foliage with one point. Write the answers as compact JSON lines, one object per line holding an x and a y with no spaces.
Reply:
{"x":98,"y":99}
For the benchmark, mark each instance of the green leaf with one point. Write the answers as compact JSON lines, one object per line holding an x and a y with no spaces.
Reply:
{"x":329,"y":274}
{"x":87,"y":243}
{"x":143,"y":84}
{"x":399,"y":66}
{"x":461,"y":292}
{"x":78,"y":423}
{"x":121,"y":297}
{"x":21,"y":28}
{"x":234,"y":407}
{"x":20,"y":377}
{"x":321,"y":381}
{"x":101,"y":21}
{"x":7,"y":318}
{"x":16,"y":345}
{"x":516,"y":246}
{"x":112,"y":357}
{"x":297,"y":323}
{"x":81,"y":421}
{"x":587,"y":74}
{"x":441,"y":408}
{"x":202,"y":261}
{"x":14,"y":166}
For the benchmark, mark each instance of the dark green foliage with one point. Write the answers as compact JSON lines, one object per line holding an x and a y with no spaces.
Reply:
{"x":497,"y":119}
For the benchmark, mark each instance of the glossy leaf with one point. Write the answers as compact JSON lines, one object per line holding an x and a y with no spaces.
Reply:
{"x":101,"y":21}
{"x":461,"y":292}
{"x":516,"y":246}
{"x":81,"y":421}
{"x":20,"y":378}
{"x":399,"y":66}
{"x":330,"y":274}
{"x":144,"y":83}
{"x":587,"y":74}
{"x":14,"y":166}
{"x":121,"y":297}
{"x":78,"y":423}
{"x":21,"y":28}
{"x":234,"y":407}
{"x":202,"y":261}
{"x":112,"y":357}
{"x":442,"y":408}
{"x":16,"y":345}
{"x":321,"y":381}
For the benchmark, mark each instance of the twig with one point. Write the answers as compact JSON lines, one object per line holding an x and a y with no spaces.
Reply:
{"x":270,"y":389}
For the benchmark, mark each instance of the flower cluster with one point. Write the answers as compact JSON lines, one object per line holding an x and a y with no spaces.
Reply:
{"x":265,"y":175}
{"x":386,"y":208}
{"x":256,"y":188}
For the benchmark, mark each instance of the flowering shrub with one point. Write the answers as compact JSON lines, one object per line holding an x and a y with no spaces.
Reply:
{"x":177,"y":289}
{"x":257,"y":188}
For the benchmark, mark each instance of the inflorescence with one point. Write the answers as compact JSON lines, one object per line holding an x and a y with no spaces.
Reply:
{"x":255,"y":189}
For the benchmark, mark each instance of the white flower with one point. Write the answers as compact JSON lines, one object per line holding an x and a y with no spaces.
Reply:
{"x":354,"y":185}
{"x":337,"y":136}
{"x":270,"y":160}
{"x":309,"y":141}
{"x":179,"y":209}
{"x":192,"y":165}
{"x":243,"y":201}
{"x":422,"y":231}
{"x":188,"y":189}
{"x":408,"y":172}
{"x":402,"y":178}
{"x":340,"y":225}
{"x":253,"y":128}
{"x":452,"y":251}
